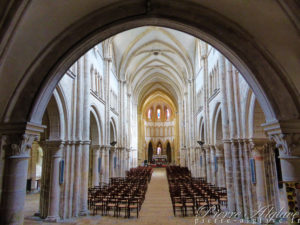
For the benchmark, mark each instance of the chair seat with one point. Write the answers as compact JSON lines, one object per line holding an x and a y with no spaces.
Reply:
{"x":122,"y":206}
{"x":189,"y":204}
{"x":111,"y":204}
{"x":99,"y":204}
{"x":202,"y":203}
{"x":133,"y":206}
{"x":178,"y":204}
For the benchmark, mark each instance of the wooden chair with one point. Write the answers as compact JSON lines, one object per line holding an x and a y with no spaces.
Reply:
{"x":189,"y":203}
{"x":133,"y":204}
{"x":99,"y":204}
{"x":111,"y":204}
{"x":123,"y":204}
{"x":178,"y":203}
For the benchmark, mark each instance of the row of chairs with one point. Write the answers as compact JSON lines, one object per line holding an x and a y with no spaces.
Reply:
{"x":121,"y":194}
{"x":193,"y":194}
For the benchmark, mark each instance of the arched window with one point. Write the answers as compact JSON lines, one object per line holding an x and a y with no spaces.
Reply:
{"x":158,"y":113}
{"x":168,"y":114}
{"x":149,"y":114}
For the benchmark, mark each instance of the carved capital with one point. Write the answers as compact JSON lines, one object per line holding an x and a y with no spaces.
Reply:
{"x":258,"y":144}
{"x":288,"y":144}
{"x":286,"y":134}
{"x":96,"y":147}
{"x":219,"y":146}
{"x":18,"y":145}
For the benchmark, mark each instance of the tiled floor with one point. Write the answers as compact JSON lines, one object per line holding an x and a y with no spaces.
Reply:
{"x":156,"y":210}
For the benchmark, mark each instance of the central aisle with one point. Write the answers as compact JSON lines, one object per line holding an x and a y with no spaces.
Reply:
{"x":157,"y":201}
{"x":157,"y":207}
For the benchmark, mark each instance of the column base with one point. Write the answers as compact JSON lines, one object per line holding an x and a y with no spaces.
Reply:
{"x":84,"y":213}
{"x":37,"y":214}
{"x":53,"y":219}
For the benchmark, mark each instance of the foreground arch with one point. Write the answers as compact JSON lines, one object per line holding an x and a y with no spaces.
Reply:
{"x":27,"y":80}
{"x":40,"y":72}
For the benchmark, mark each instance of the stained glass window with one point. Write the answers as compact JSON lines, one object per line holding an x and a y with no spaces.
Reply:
{"x":149,"y":114}
{"x":158,"y":114}
{"x":168,"y":113}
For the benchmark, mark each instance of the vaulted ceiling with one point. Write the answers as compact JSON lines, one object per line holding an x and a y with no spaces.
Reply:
{"x":154,"y":58}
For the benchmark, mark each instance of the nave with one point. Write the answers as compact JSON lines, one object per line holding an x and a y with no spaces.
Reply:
{"x":178,"y":85}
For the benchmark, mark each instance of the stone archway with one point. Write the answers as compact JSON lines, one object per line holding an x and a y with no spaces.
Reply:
{"x":234,"y":43}
{"x":35,"y":81}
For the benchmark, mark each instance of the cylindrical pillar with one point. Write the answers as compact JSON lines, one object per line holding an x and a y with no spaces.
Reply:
{"x":14,"y":178}
{"x":208,"y":164}
{"x":212,"y":164}
{"x":106,"y":164}
{"x":258,"y":154}
{"x":95,"y":175}
{"x":220,"y":166}
{"x":55,"y":148}
{"x":84,"y":178}
{"x":77,"y":178}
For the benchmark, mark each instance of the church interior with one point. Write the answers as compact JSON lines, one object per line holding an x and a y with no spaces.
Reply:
{"x":159,"y":117}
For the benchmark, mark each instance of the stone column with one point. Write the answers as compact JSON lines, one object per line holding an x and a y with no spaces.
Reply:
{"x":77,"y":178}
{"x":257,"y":147}
{"x":226,"y":136}
{"x":111,"y":162}
{"x":45,"y":181}
{"x":212,"y":164}
{"x":237,"y":176}
{"x":182,"y":157}
{"x":197,"y":161}
{"x":203,"y":163}
{"x":84,"y":178}
{"x":34,"y":159}
{"x":221,"y":170}
{"x":16,"y":141}
{"x":208,"y":163}
{"x":95,"y":176}
{"x":106,"y":164}
{"x":55,"y":148}
{"x":249,"y":187}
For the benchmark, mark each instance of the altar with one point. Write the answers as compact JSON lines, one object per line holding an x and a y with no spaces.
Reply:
{"x":159,"y":160}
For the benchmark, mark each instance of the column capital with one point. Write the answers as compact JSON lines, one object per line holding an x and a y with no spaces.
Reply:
{"x":86,"y":142}
{"x":258,"y":146}
{"x":112,"y":149}
{"x":95,"y":147}
{"x":107,"y":59}
{"x":226,"y":141}
{"x":18,"y":138}
{"x":206,"y":147}
{"x":55,"y":147}
{"x":18,"y":145}
{"x":286,"y":134}
{"x":219,"y":146}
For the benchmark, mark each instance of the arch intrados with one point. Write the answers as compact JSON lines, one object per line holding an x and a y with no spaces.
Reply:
{"x":216,"y":114}
{"x":114,"y":129}
{"x":237,"y":47}
{"x":95,"y":116}
{"x":218,"y":124}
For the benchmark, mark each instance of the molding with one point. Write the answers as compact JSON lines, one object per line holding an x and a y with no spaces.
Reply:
{"x":114,"y":111}
{"x":71,"y":74}
{"x":215,"y":94}
{"x":97,"y":97}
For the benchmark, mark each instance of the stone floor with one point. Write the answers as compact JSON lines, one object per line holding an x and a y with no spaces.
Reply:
{"x":156,"y":210}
